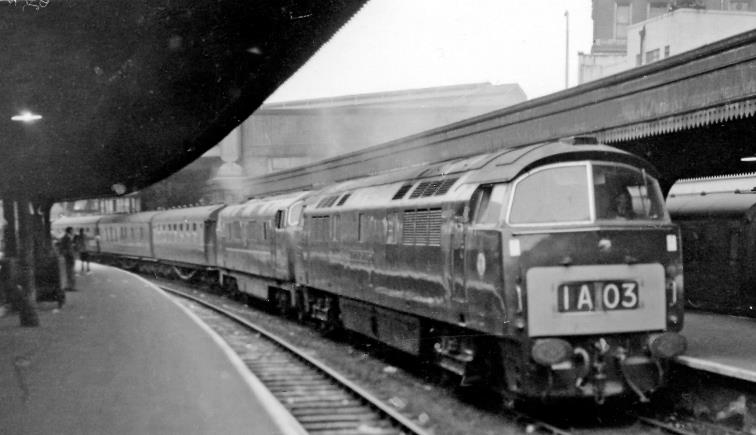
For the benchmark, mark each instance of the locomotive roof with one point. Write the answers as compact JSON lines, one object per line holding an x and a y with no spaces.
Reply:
{"x":266,"y":206}
{"x":510,"y":163}
{"x":500,"y":166}
{"x":204,"y":212}
{"x":711,"y":205}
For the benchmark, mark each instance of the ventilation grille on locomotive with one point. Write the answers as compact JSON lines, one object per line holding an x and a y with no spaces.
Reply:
{"x":343,"y":199}
{"x":402,"y":190}
{"x":432,"y":188}
{"x":327,"y":201}
{"x":422,"y":227}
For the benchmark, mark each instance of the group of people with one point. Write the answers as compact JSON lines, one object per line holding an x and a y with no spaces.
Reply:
{"x":69,"y":246}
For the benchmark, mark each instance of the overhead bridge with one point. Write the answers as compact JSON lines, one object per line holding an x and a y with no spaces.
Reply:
{"x":689,"y":114}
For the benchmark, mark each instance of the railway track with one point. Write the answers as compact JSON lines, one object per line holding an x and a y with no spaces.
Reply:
{"x":321,"y":400}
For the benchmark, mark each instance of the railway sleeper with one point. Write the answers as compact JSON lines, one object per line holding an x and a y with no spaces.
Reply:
{"x":364,"y":417}
{"x":329,"y":411}
{"x":319,"y":403}
{"x":344,"y":425}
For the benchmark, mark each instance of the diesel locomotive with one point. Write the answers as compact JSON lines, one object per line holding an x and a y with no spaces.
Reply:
{"x":545,"y":271}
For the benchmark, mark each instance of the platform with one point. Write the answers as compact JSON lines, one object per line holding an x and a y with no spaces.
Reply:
{"x":122,"y":358}
{"x":720,"y":344}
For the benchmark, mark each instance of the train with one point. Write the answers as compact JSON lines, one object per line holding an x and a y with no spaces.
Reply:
{"x":546,"y":271}
{"x":717,"y":217}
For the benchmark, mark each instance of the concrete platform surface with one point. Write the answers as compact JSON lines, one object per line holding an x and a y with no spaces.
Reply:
{"x":122,"y":358}
{"x":721,"y":344}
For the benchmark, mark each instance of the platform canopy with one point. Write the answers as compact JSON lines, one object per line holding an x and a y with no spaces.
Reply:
{"x":130,"y":91}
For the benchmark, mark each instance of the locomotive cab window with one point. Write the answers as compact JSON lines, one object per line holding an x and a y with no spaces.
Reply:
{"x":560,"y":194}
{"x":295,"y":213}
{"x":553,"y":194}
{"x":624,"y":193}
{"x":487,"y":203}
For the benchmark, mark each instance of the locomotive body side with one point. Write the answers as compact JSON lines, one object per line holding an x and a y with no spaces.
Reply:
{"x":255,"y":246}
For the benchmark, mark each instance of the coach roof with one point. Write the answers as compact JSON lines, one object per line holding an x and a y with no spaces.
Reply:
{"x":190,"y":213}
{"x":145,"y":216}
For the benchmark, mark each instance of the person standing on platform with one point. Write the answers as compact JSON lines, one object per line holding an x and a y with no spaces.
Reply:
{"x":67,"y":251}
{"x":80,"y":244}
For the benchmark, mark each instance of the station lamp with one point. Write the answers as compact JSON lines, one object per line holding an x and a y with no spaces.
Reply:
{"x":748,"y":159}
{"x":26,"y":117}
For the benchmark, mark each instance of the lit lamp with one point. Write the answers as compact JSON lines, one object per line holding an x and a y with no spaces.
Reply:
{"x":26,"y":117}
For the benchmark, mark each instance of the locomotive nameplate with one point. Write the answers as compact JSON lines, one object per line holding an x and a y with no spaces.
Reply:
{"x":584,"y":296}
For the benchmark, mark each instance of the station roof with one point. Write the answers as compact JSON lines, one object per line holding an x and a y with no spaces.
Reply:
{"x":658,"y":111}
{"x":131,"y":91}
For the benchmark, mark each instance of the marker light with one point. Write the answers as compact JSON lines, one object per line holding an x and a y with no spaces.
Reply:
{"x":748,"y":159}
{"x":26,"y":117}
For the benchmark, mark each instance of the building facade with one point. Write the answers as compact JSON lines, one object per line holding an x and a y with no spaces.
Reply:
{"x":285,"y":135}
{"x":630,"y":33}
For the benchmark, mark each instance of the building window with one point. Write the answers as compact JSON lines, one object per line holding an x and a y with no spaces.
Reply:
{"x":652,"y":56}
{"x":657,"y":8}
{"x":622,"y":16}
{"x":666,"y":51}
{"x":738,"y":5}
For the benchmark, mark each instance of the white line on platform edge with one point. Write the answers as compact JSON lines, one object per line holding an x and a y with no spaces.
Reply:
{"x":279,"y":414}
{"x":715,"y":367}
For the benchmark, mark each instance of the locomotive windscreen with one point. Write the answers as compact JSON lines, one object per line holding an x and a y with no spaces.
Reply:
{"x":559,"y":194}
{"x":623,"y":193}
